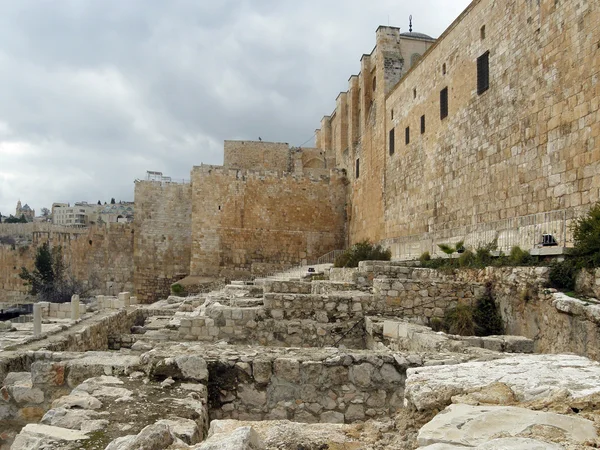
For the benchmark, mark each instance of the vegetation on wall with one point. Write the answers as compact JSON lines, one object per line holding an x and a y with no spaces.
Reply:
{"x":50,"y":279}
{"x":362,"y":251}
{"x":481,"y":319}
{"x":585,"y":253}
{"x":477,"y":259}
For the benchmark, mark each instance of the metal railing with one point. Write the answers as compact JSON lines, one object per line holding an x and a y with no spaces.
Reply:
{"x":329,"y":258}
{"x":523,"y":231}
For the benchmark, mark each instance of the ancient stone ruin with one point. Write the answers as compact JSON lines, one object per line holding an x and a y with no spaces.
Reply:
{"x":500,"y":123}
{"x":343,"y":361}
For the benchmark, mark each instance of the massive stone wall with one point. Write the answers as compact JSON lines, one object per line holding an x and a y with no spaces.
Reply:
{"x":101,"y":257}
{"x":260,"y":221}
{"x":257,"y":155}
{"x":162,"y":243}
{"x":528,"y":144}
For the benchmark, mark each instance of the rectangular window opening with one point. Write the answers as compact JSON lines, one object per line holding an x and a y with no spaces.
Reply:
{"x":483,"y":73}
{"x":407,"y":135}
{"x":422,"y":124}
{"x":444,"y":103}
{"x":392,"y":142}
{"x":357,"y":167}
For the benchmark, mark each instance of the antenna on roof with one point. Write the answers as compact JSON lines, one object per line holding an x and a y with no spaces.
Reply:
{"x":410,"y":23}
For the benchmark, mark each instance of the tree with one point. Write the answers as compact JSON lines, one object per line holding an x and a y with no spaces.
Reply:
{"x":99,"y":202}
{"x":50,"y":279}
{"x":12,"y":219}
{"x":112,"y":201}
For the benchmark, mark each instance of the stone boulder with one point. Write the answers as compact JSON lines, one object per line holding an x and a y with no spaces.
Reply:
{"x":243,"y":438}
{"x":530,"y":377}
{"x":500,"y":444}
{"x":471,"y":426}
{"x":153,"y":437}
{"x":38,"y":436}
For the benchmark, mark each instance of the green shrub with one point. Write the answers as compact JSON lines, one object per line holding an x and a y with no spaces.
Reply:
{"x":362,"y":251}
{"x":483,"y":256}
{"x":519,"y":257}
{"x":436,"y":324}
{"x":486,"y":315}
{"x":459,"y":320}
{"x":425,"y":256}
{"x":467,"y":259}
{"x":177,"y":289}
{"x":586,"y":237}
{"x":562,"y":274}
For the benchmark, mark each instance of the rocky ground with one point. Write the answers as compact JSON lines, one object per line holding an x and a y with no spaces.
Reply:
{"x":154,"y":393}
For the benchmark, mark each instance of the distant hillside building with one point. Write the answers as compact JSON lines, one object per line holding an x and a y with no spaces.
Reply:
{"x":24,"y":210}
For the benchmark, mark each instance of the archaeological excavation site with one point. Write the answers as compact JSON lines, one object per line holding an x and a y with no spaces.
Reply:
{"x":425,"y":277}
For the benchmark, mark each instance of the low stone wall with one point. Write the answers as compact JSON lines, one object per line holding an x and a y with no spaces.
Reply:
{"x":60,"y":310}
{"x":404,"y":336}
{"x":422,"y":300}
{"x":345,"y":388}
{"x":257,"y":324}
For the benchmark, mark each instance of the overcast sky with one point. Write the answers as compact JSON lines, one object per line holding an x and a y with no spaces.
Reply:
{"x":95,"y":92}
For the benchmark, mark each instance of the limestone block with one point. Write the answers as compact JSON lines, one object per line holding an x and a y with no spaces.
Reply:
{"x":154,"y":436}
{"x":81,"y":400}
{"x":475,"y":425}
{"x":243,"y":438}
{"x":531,"y":377}
{"x":184,"y":429}
{"x":46,"y":436}
{"x":332,"y":417}
{"x":261,"y":370}
{"x":501,"y":444}
{"x":192,"y":367}
{"x":361,"y":374}
{"x":390,"y":329}
{"x":287,"y":369}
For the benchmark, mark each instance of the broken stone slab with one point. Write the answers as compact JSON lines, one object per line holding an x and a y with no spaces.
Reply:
{"x":184,"y":429}
{"x":19,"y":386}
{"x":68,"y":418}
{"x":471,"y":426}
{"x":530,"y":377}
{"x":78,"y":399}
{"x":500,"y":444}
{"x":243,"y":438}
{"x":34,"y":436}
{"x":152,"y":437}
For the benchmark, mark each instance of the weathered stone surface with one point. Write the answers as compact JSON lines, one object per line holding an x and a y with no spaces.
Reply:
{"x":20,"y":387}
{"x":68,"y":418}
{"x":530,"y":377}
{"x":500,"y":444}
{"x":475,"y":425}
{"x":243,"y":438}
{"x":192,"y":367}
{"x":332,"y":417}
{"x":152,"y":437}
{"x":77,"y":400}
{"x":34,"y":436}
{"x":184,"y":429}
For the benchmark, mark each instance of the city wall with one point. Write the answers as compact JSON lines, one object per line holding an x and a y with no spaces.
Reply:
{"x":101,"y":257}
{"x":247,"y":222}
{"x":528,"y":144}
{"x":163,"y":237}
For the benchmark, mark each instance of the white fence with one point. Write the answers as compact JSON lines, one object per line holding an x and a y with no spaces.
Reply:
{"x":524,"y":231}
